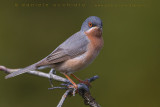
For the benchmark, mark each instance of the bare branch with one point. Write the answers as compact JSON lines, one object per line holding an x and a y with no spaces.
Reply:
{"x":88,"y":99}
{"x":83,"y":89}
{"x":63,"y":98}
{"x":38,"y":73}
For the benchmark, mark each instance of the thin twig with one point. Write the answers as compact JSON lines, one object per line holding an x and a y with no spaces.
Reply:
{"x":63,"y":98}
{"x":37,"y":73}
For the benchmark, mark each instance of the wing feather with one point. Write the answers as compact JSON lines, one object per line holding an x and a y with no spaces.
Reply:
{"x":72,"y":47}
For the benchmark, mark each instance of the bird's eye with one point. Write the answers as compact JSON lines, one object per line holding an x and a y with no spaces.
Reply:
{"x":90,"y":24}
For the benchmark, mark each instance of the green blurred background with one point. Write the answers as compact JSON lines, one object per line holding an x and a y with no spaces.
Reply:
{"x":128,"y":64}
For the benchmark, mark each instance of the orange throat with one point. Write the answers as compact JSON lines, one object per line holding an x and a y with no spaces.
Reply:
{"x":95,"y":37}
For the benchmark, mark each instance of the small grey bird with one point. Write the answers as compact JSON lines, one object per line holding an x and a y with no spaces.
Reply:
{"x":75,"y":53}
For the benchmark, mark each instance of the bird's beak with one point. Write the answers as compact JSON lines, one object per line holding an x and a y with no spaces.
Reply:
{"x":99,"y":27}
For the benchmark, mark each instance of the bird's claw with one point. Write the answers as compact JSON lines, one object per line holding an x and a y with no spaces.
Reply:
{"x":71,"y":86}
{"x":67,"y":86}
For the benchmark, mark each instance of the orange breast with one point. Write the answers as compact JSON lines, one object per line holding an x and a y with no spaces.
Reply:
{"x":95,"y":37}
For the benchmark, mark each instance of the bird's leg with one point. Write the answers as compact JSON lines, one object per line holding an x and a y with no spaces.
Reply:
{"x":52,"y":71}
{"x":81,"y":81}
{"x":74,"y":84}
{"x":76,"y":77}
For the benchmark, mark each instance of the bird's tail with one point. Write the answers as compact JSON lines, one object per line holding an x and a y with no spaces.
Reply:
{"x":21,"y":71}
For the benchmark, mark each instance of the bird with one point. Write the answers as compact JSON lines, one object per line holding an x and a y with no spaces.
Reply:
{"x":75,"y":53}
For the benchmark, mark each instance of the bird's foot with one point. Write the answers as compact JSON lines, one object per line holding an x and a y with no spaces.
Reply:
{"x":75,"y":89}
{"x":73,"y":85}
{"x":52,"y":71}
{"x":86,"y":82}
{"x":66,"y":86}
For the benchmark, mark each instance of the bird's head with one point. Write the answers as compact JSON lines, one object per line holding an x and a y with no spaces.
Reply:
{"x":91,"y":22}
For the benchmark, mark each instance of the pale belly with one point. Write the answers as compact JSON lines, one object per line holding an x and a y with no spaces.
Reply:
{"x":78,"y":63}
